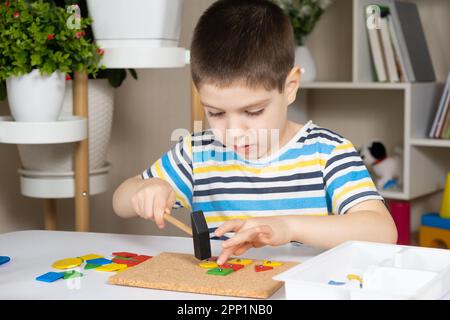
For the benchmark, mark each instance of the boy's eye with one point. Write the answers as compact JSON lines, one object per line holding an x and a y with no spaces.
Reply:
{"x":215,"y":114}
{"x":254,"y":113}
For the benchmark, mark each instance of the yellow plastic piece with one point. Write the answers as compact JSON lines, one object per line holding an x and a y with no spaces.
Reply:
{"x":354,"y":277}
{"x":244,"y":262}
{"x":91,"y":256}
{"x":122,"y":270}
{"x":208,"y":264}
{"x":269,"y":263}
{"x":111,"y":267}
{"x":434,"y":237}
{"x":67,"y":263}
{"x":445,"y":207}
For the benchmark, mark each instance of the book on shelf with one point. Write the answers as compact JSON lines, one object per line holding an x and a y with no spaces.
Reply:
{"x":388,"y":49}
{"x":440,"y":128}
{"x":445,"y":133}
{"x":376,"y":51}
{"x":416,"y":44}
{"x":399,"y":61}
{"x":397,"y":44}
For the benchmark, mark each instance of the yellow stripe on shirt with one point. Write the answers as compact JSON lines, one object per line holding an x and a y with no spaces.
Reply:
{"x":228,"y":218}
{"x":275,"y":168}
{"x":344,"y":146}
{"x":365,"y":184}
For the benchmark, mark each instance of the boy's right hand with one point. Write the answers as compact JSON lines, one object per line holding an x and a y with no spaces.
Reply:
{"x":152,"y":199}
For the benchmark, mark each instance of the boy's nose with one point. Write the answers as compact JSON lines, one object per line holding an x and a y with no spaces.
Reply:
{"x":235,"y":134}
{"x":236,"y":129}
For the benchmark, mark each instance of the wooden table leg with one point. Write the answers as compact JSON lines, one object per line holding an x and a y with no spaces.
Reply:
{"x":80,"y":108}
{"x":50,"y":214}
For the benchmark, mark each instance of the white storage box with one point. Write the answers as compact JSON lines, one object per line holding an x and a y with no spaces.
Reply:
{"x":386,"y":271}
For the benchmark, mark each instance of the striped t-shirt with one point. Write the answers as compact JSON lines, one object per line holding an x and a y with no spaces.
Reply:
{"x":318,"y":172}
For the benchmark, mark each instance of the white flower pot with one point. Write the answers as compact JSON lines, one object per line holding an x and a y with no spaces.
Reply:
{"x":154,"y":23}
{"x":59,"y":157}
{"x":36,"y":98}
{"x":305,"y":61}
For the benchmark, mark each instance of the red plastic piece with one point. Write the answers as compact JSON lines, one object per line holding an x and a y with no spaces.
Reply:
{"x":142,"y":258}
{"x":129,"y":263}
{"x":125,"y":254}
{"x":260,"y":267}
{"x":233,"y":266}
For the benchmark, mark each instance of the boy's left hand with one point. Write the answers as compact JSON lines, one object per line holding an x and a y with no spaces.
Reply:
{"x":252,"y":233}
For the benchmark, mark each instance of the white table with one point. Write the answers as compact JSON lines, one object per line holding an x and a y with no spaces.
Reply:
{"x":33,"y":252}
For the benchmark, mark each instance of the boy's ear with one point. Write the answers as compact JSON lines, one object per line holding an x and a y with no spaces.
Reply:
{"x":292,"y":84}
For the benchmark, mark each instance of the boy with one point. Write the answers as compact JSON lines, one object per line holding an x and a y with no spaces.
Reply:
{"x":255,"y":173}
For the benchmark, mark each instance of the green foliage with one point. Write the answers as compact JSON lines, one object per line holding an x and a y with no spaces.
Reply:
{"x":115,"y":76}
{"x":303,"y":14}
{"x":36,"y":35}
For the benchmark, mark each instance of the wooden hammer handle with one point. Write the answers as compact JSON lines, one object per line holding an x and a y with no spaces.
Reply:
{"x":177,"y":223}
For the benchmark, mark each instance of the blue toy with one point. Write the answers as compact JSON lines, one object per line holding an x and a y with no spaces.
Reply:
{"x":4,"y":259}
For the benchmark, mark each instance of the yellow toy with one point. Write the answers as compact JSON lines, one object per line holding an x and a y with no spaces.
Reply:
{"x":435,"y":228}
{"x":445,"y":207}
{"x":434,"y":237}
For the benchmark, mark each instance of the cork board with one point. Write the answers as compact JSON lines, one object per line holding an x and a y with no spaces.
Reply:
{"x":181,"y":272}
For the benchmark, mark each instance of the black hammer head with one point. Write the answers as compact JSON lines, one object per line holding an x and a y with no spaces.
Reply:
{"x":200,"y":235}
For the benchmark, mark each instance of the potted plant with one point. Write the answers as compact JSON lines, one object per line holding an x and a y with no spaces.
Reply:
{"x":38,"y":49}
{"x":118,"y":23}
{"x":304,"y":15}
{"x":59,"y":157}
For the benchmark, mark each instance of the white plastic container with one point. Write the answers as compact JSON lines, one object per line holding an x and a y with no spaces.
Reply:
{"x":387,"y":272}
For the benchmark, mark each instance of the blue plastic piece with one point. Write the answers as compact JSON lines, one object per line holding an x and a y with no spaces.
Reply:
{"x":434,"y":220}
{"x":335,"y":283}
{"x":4,"y":259}
{"x":99,"y":261}
{"x":50,"y":276}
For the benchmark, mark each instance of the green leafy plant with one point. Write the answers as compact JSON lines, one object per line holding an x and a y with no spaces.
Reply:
{"x":303,"y":14}
{"x":36,"y":35}
{"x":115,"y":76}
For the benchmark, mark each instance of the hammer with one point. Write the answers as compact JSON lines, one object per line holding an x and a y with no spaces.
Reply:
{"x":199,"y":233}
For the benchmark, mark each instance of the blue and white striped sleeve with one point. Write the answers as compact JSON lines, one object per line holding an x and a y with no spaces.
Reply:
{"x":347,"y":180}
{"x":175,"y":167}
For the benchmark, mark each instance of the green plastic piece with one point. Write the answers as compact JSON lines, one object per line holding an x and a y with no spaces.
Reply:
{"x":220,"y":271}
{"x":124,"y":258}
{"x":72,"y":274}
{"x":90,"y":266}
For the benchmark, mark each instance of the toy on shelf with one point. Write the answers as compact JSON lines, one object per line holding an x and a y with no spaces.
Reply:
{"x":434,"y":231}
{"x":387,"y":169}
{"x":445,"y":207}
{"x":435,"y":228}
{"x":400,"y":211}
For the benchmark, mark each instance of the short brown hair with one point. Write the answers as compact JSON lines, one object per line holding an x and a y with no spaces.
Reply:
{"x":243,"y":40}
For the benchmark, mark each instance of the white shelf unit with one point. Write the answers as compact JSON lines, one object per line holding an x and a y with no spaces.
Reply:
{"x":346,"y":99}
{"x":82,"y":182}
{"x":145,"y":57}
{"x":51,"y":185}
{"x":439,"y":143}
{"x":411,"y":108}
{"x":67,"y":129}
